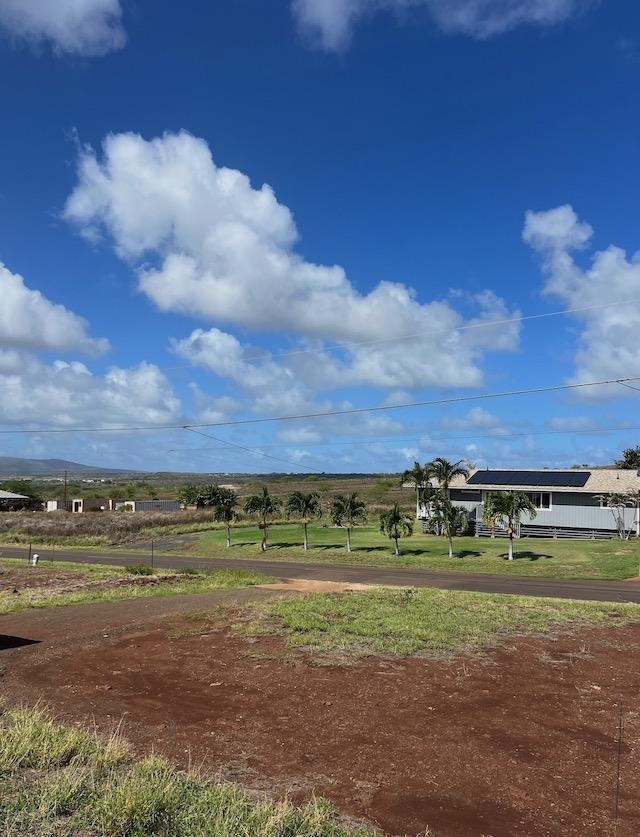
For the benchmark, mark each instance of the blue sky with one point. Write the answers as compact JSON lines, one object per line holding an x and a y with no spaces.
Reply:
{"x":197,"y":206}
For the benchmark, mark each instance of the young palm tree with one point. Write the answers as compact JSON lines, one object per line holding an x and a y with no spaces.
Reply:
{"x":307,"y":507}
{"x":444,"y":471}
{"x":419,"y":476}
{"x":224,"y":510}
{"x":395,"y":524}
{"x":490,"y":513}
{"x":618,"y":502}
{"x":348,"y":510}
{"x":455,"y":521}
{"x":265,"y":506}
{"x":508,"y":506}
{"x":208,"y":496}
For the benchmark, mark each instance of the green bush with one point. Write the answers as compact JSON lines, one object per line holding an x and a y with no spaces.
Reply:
{"x":139,"y":569}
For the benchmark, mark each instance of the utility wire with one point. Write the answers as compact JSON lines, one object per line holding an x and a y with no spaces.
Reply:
{"x":377,"y":440}
{"x":251,"y":450}
{"x":432,"y":333}
{"x":328,"y":413}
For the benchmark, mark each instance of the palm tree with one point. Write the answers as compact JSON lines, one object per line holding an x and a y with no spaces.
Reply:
{"x":419,"y":476}
{"x":618,"y":502}
{"x":348,"y":510}
{"x":491,"y":514}
{"x":455,"y":521}
{"x":224,"y":510}
{"x":444,"y":471}
{"x":396,"y":524}
{"x":307,"y":507}
{"x":265,"y":506}
{"x":208,"y":496}
{"x":508,"y":506}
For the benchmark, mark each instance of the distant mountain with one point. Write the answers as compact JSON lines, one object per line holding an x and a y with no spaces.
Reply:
{"x":12,"y":466}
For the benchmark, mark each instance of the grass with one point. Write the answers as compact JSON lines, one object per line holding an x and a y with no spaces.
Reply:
{"x":165,"y":583}
{"x":610,"y":559}
{"x":410,"y":621}
{"x":62,"y":781}
{"x":97,"y":528}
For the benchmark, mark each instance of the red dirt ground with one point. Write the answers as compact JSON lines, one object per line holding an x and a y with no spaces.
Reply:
{"x":519,"y":742}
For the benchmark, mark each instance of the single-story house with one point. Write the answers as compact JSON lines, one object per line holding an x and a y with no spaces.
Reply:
{"x":570,"y":503}
{"x":86,"y":504}
{"x":9,"y":500}
{"x":148,"y":505}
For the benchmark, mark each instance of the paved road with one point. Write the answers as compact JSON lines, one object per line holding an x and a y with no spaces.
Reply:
{"x":604,"y":591}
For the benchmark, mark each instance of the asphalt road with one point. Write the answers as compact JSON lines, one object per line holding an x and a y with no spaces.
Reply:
{"x":602,"y":591}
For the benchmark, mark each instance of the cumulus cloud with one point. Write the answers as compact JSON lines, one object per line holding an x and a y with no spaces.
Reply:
{"x":28,"y":320}
{"x":69,"y":395}
{"x":213,"y":408}
{"x":331,"y":22}
{"x":206,"y":243}
{"x":476,"y":419}
{"x":300,"y":436}
{"x":608,"y":343}
{"x":80,"y":27}
{"x":571,"y":423}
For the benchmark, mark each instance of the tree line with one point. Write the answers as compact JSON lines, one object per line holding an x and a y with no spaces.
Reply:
{"x":347,"y":511}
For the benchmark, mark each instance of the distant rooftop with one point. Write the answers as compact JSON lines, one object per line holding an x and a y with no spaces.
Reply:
{"x":8,"y":495}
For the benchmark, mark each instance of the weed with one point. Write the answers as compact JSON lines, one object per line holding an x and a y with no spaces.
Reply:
{"x":138,"y":569}
{"x":429,"y":621}
{"x":94,"y":788}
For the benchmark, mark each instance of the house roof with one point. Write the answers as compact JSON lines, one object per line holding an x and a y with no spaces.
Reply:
{"x":581,"y":481}
{"x":8,"y":495}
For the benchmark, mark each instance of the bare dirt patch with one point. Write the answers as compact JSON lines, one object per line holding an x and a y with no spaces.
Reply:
{"x":303,"y":585}
{"x":30,"y":578}
{"x":58,"y":582}
{"x":521,"y":741}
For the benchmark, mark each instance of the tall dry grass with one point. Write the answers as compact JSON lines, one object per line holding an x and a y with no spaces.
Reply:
{"x":97,"y":528}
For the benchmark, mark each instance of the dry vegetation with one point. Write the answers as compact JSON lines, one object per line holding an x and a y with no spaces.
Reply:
{"x":97,"y":528}
{"x":110,"y":528}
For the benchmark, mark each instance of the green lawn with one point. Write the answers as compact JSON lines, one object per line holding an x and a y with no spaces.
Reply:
{"x":410,"y":621}
{"x":63,"y":781}
{"x":611,"y":559}
{"x":110,"y":584}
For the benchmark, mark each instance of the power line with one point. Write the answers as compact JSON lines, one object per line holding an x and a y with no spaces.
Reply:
{"x":329,"y":413}
{"x":433,"y":333}
{"x":251,"y":450}
{"x":497,"y":436}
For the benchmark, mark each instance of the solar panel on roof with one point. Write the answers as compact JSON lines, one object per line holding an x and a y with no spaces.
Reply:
{"x":550,"y":479}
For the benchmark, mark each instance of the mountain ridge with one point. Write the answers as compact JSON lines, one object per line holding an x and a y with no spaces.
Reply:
{"x":15,"y":466}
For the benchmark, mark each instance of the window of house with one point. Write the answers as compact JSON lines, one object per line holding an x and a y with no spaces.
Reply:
{"x":540,"y":499}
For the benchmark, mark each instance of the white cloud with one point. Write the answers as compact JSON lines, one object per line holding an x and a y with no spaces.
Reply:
{"x":331,"y":22}
{"x":206,"y":243}
{"x":214,"y":409}
{"x":300,"y":436}
{"x":28,"y":320}
{"x":81,"y":27}
{"x":608,"y":344}
{"x":476,"y":419}
{"x":571,"y":423}
{"x":68,"y":395}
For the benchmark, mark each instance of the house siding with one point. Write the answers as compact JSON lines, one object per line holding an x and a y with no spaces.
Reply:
{"x":564,"y":516}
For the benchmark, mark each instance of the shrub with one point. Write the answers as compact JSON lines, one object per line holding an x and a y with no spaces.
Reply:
{"x":139,"y":569}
